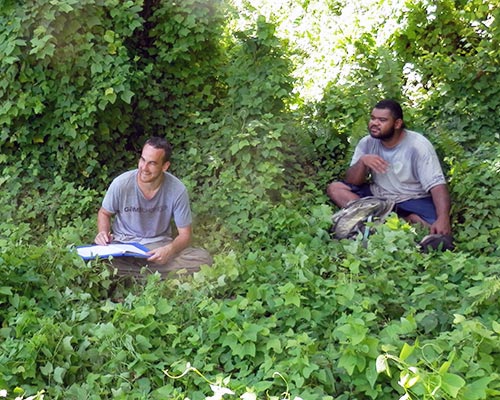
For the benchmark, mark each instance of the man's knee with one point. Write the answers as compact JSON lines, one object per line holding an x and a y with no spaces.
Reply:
{"x":189,"y":260}
{"x":340,"y":193}
{"x":416,"y":219}
{"x":335,"y":187}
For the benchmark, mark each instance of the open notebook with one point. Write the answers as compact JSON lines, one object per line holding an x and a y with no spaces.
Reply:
{"x":115,"y":249}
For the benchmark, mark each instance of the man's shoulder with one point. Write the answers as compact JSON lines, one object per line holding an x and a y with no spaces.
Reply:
{"x":368,"y":143}
{"x":124,"y":177}
{"x":418,"y":139}
{"x":173,"y":182}
{"x":363,"y":141}
{"x":126,"y":174}
{"x":123,"y":182}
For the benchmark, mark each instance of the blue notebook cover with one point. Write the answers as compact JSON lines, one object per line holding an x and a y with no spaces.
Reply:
{"x":90,"y":252}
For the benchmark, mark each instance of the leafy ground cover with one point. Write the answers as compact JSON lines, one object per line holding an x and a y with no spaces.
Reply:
{"x":334,"y":318}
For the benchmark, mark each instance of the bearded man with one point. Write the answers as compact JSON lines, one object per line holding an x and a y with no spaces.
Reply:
{"x":397,"y":164}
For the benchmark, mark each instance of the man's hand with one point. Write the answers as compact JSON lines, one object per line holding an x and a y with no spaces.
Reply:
{"x":441,"y":226}
{"x":375,"y":163}
{"x":103,"y":238}
{"x":164,"y":254}
{"x":357,"y":173}
{"x":161,"y":255}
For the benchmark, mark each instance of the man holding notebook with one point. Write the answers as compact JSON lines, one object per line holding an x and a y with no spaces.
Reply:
{"x":140,"y":205}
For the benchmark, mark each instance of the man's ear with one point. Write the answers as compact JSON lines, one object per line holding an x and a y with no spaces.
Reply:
{"x":398,"y":124}
{"x":166,"y":166}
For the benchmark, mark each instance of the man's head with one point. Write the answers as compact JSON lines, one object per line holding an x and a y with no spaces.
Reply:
{"x":161,"y":144}
{"x":386,"y":121}
{"x":154,"y":160}
{"x":393,"y":106}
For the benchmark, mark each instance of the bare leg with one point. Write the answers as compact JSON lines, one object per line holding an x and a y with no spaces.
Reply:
{"x":415,"y":219}
{"x":340,"y":194}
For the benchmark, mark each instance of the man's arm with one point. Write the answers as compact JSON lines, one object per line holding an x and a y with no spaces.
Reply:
{"x":442,"y":203}
{"x":358,"y":172}
{"x":104,"y":235}
{"x":163,"y":254}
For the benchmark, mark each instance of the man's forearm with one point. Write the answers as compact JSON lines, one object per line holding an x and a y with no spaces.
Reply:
{"x":103,"y":222}
{"x":104,"y":235}
{"x":356,"y":174}
{"x":441,"y":199}
{"x":180,"y":243}
{"x":182,"y":240}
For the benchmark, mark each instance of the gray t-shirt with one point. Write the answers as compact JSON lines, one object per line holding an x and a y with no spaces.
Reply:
{"x":413,"y":171}
{"x":138,"y":219}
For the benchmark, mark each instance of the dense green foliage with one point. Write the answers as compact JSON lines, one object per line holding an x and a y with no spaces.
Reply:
{"x":83,"y":83}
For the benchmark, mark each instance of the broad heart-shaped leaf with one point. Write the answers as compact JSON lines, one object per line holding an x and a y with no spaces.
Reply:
{"x":6,"y":290}
{"x":348,"y":361}
{"x":496,"y":326}
{"x":142,"y":312}
{"x":274,"y":343}
{"x":353,"y":332}
{"x":143,"y":342}
{"x":47,"y":369}
{"x":477,"y":390}
{"x":250,"y":332}
{"x":452,"y":384}
{"x":66,"y":344}
{"x":245,"y":349}
{"x":290,"y":294}
{"x":126,"y":96}
{"x":105,"y":329}
{"x":59,"y":373}
{"x":292,"y":298}
{"x":163,"y":306}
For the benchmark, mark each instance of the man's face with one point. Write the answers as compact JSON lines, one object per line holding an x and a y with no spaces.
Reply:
{"x":382,"y":124}
{"x":151,"y":164}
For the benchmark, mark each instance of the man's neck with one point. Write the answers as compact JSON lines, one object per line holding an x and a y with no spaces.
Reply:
{"x":149,"y":189}
{"x":395,"y":140}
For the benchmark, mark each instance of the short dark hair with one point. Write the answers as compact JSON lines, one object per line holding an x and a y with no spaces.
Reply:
{"x":162,"y":144}
{"x":393,"y":105}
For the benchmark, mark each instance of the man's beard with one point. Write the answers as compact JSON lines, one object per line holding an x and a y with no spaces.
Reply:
{"x":384,"y":137}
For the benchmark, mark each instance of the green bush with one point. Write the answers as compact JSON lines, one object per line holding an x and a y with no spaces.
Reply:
{"x":85,"y":82}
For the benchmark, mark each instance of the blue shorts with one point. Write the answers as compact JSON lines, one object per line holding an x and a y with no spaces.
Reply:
{"x":423,"y":207}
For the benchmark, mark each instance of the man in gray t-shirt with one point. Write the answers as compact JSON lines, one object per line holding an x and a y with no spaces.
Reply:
{"x":146,"y":220}
{"x":140,"y":206}
{"x":403,"y":167}
{"x":413,"y":167}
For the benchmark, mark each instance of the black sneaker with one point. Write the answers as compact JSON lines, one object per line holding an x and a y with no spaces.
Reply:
{"x":436,"y":242}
